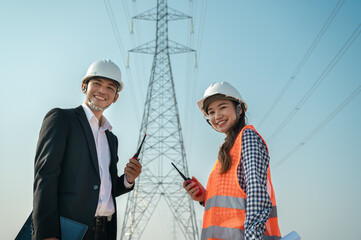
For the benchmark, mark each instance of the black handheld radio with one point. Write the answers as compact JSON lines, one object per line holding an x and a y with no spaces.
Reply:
{"x":188,"y":180}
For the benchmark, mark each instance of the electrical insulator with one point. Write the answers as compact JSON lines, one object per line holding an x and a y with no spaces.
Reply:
{"x":195,"y":60}
{"x":192,"y":31}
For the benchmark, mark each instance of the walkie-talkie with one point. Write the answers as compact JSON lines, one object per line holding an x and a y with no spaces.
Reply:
{"x":189,"y":181}
{"x":140,"y":148}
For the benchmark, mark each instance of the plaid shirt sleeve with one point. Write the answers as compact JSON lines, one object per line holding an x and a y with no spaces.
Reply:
{"x":252,"y":177}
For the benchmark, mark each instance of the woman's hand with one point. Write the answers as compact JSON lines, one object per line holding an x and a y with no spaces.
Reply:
{"x":192,"y":190}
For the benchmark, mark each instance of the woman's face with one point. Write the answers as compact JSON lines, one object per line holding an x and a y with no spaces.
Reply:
{"x":222,"y":115}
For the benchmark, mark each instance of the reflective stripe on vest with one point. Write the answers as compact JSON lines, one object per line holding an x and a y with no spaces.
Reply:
{"x":232,"y":202}
{"x":225,"y":203}
{"x":215,"y":232}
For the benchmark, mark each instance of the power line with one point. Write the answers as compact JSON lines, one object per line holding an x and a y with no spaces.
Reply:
{"x":318,"y":81}
{"x":123,"y":54}
{"x":199,"y":29}
{"x":189,"y":84}
{"x":201,"y":25}
{"x":303,"y":60}
{"x":138,"y":63}
{"x":115,"y":29}
{"x":266,"y":86}
{"x":320,"y":126}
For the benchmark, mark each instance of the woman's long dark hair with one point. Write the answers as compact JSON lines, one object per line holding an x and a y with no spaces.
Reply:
{"x":223,"y":155}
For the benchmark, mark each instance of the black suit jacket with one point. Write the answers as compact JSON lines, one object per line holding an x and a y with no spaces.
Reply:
{"x":66,"y":176}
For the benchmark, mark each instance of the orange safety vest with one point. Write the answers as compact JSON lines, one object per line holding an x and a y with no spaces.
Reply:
{"x":225,"y":202}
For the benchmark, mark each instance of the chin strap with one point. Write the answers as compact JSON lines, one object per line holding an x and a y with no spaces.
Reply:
{"x":95,"y":108}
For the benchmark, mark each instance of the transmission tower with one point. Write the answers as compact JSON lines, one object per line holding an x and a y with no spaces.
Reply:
{"x":164,"y":142}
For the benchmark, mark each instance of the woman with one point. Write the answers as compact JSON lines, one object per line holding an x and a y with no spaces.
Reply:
{"x":239,"y":200}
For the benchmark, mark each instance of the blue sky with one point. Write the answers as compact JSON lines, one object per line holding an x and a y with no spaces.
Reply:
{"x":257,"y":46}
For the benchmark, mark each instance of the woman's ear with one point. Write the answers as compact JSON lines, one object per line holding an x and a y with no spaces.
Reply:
{"x":239,"y":109}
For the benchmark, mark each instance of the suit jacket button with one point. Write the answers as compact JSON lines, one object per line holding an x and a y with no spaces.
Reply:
{"x":96,"y":187}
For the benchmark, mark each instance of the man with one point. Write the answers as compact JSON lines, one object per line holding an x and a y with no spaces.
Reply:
{"x":76,"y":162}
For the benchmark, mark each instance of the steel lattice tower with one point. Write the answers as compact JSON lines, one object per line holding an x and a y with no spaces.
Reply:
{"x":164,"y":142}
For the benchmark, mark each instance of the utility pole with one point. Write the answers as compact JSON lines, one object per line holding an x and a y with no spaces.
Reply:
{"x":164,"y":142}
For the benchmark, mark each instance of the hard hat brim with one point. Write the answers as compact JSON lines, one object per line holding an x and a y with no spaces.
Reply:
{"x":207,"y":100}
{"x":87,"y":78}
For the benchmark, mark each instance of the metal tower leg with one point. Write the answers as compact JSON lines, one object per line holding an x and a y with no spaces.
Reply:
{"x":164,"y":143}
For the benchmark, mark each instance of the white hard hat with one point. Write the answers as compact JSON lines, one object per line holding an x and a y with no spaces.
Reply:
{"x":220,"y":90}
{"x":107,"y":69}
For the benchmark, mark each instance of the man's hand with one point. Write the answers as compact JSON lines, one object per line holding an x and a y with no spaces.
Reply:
{"x":132,"y":170}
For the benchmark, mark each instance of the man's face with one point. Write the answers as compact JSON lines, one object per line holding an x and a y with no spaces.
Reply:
{"x":101,"y":92}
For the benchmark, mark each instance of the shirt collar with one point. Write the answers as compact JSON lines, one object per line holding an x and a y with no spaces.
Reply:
{"x":104,"y":124}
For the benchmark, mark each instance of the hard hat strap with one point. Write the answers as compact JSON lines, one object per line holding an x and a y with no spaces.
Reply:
{"x":209,"y":122}
{"x":95,"y":108}
{"x":91,"y":105}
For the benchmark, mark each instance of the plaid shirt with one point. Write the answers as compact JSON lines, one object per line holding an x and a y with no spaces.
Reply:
{"x":252,"y":177}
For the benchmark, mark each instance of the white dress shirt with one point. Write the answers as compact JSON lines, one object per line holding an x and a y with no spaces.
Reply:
{"x":105,"y":202}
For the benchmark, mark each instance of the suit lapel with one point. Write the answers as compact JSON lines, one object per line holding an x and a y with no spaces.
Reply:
{"x":113,"y":153}
{"x":89,"y":137}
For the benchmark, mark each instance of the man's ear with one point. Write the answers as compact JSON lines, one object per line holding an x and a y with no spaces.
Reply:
{"x":116,"y":97}
{"x":84,"y":87}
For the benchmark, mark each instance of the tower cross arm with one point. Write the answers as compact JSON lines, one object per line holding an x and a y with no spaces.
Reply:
{"x":148,"y":48}
{"x":174,"y":47}
{"x":176,"y":15}
{"x":150,"y":15}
